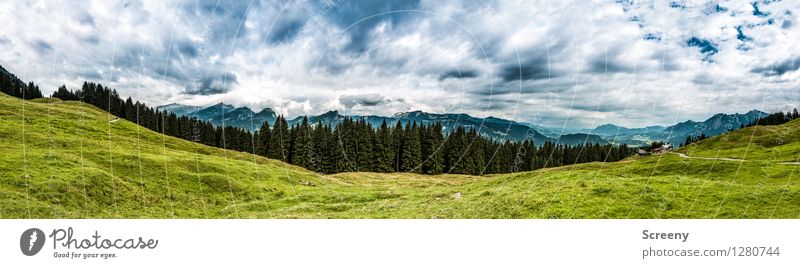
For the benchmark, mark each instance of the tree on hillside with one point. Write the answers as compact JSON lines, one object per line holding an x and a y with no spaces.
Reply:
{"x":262,"y":142}
{"x":397,"y":143}
{"x":63,"y":93}
{"x":411,"y":154}
{"x":431,"y":150}
{"x":382,"y":149}
{"x":280,"y":140}
{"x":322,"y":148}
{"x":302,"y":153}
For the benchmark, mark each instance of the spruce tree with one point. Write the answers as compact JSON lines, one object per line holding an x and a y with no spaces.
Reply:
{"x":262,"y":142}
{"x":301,"y":149}
{"x":411,"y":156}
{"x":365,"y":144}
{"x":279,"y":140}
{"x":397,"y":143}
{"x":383,"y":153}
{"x":432,"y":149}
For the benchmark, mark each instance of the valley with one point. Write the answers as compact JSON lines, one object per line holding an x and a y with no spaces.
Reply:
{"x":66,"y":159}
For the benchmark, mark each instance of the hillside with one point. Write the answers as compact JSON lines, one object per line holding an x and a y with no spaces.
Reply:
{"x":779,"y":143}
{"x":71,"y":160}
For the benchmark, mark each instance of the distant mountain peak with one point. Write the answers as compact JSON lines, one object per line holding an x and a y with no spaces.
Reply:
{"x":608,"y":127}
{"x":222,"y":104}
{"x":331,"y":113}
{"x":244,"y":108}
{"x":172,"y":105}
{"x":267,"y":111}
{"x":409,"y":114}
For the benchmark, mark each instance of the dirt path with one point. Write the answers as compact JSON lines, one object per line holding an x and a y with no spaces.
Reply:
{"x":727,"y":159}
{"x":708,"y":158}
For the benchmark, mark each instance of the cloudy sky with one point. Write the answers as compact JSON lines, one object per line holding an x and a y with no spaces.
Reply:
{"x":555,"y":63}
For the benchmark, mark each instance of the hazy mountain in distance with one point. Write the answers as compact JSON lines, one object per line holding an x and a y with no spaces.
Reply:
{"x":241,"y":117}
{"x":611,"y":129}
{"x":581,"y":138}
{"x":716,"y":125}
{"x":179,"y":109}
{"x":496,"y":128}
{"x":676,"y":134}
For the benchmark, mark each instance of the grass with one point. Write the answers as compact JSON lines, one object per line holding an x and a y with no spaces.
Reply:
{"x":769,"y":144}
{"x":67,"y":160}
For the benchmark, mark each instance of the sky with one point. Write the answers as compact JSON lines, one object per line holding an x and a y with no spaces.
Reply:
{"x":574,"y":64}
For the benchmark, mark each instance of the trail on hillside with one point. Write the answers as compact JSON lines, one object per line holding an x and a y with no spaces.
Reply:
{"x":727,"y":159}
{"x":708,"y":158}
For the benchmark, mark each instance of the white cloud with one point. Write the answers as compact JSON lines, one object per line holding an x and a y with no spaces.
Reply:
{"x":592,"y":62}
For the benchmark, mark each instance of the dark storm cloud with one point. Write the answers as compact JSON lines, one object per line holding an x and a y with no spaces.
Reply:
{"x":150,"y":61}
{"x":286,"y":30}
{"x":533,"y":63}
{"x":86,"y":19}
{"x":91,"y":75}
{"x":589,"y":106}
{"x":526,"y":87}
{"x":609,"y":62}
{"x":92,"y":39}
{"x":780,"y":68}
{"x":536,"y":69}
{"x":703,"y":79}
{"x":224,"y":18}
{"x":372,"y":99}
{"x":187,"y":49}
{"x":42,"y":47}
{"x":495,"y":104}
{"x":335,"y":63}
{"x":212,"y":84}
{"x":458,"y":74}
{"x":356,"y":16}
{"x":603,"y":65}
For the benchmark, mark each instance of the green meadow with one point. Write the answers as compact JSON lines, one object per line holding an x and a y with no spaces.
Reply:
{"x":72,"y":160}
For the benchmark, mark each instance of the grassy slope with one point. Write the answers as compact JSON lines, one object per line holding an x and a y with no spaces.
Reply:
{"x":770,"y":144}
{"x":76,"y":169}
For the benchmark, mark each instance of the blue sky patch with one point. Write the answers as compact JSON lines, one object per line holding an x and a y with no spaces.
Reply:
{"x":740,"y":34}
{"x":651,"y":36}
{"x":707,"y":47}
{"x":757,"y":12}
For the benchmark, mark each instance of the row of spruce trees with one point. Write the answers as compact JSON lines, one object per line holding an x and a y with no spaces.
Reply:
{"x":355,"y":145}
{"x":776,"y":118}
{"x":11,"y":85}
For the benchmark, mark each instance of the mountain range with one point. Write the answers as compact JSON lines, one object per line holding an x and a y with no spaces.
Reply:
{"x":676,"y":134}
{"x":217,"y":114}
{"x":492,"y":127}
